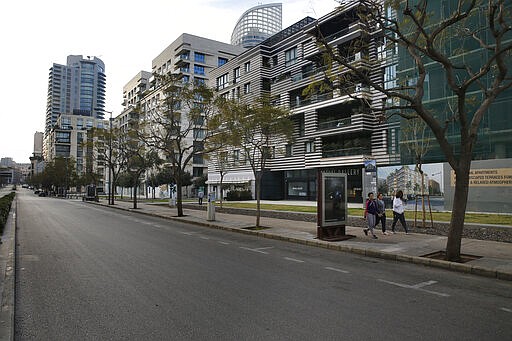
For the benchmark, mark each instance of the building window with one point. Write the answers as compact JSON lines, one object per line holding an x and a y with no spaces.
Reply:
{"x":199,"y":81}
{"x":236,"y":156}
{"x":197,"y":171}
{"x":247,"y":88}
{"x":290,"y":57}
{"x":236,"y":75}
{"x":199,"y":57}
{"x":199,"y":70}
{"x":222,"y":61}
{"x":222,"y":81}
{"x":197,"y":159}
{"x":288,"y":150}
{"x":198,"y":133}
{"x":310,"y":146}
{"x":247,"y":67}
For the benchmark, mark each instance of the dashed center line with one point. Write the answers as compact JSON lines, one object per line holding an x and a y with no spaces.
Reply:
{"x":259,"y":250}
{"x":188,"y":233}
{"x":337,"y":270}
{"x":294,"y":260}
{"x":203,"y":237}
{"x":223,"y":243}
{"x":507,"y":310}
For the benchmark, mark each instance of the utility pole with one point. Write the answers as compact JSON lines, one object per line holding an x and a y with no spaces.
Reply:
{"x":110,"y":195}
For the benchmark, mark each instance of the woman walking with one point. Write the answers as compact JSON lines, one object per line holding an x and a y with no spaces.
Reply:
{"x":381,"y":213}
{"x":370,"y":214}
{"x":398,"y":211}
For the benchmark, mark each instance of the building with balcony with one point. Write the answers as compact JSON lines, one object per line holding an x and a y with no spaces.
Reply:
{"x":71,"y":136}
{"x":334,"y":132}
{"x":257,"y":24}
{"x":193,"y":58}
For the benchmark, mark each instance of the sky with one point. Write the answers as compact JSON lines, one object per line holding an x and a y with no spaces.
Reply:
{"x":126,"y":35}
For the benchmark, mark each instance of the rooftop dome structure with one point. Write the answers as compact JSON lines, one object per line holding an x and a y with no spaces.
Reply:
{"x":257,"y":24}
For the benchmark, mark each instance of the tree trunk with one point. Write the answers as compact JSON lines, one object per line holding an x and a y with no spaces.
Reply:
{"x":179,"y":193}
{"x":134,"y":195}
{"x":258,"y":195}
{"x":460,"y":199}
{"x":221,"y":194}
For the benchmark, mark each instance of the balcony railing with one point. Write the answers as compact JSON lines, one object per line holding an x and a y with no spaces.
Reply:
{"x":338,"y":123}
{"x":345,"y":152}
{"x":300,"y":102}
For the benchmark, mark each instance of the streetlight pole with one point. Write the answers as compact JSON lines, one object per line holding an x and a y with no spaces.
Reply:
{"x":110,"y":196}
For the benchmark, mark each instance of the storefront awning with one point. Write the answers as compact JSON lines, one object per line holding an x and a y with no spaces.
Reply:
{"x":230,"y":178}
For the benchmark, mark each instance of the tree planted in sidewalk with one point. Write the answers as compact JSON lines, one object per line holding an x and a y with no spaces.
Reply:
{"x":178,"y":125}
{"x":256,"y":129}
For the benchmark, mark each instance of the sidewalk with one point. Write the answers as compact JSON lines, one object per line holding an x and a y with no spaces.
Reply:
{"x":496,"y":258}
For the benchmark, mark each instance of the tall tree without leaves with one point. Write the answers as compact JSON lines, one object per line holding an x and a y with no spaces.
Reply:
{"x":256,"y":129}
{"x":178,"y":125}
{"x":431,"y":40}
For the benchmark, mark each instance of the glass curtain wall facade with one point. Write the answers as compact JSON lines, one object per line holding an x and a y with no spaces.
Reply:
{"x":494,"y":135}
{"x":257,"y":24}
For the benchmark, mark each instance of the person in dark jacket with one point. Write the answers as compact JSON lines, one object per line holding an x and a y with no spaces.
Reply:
{"x":370,"y":215}
{"x":381,"y":213}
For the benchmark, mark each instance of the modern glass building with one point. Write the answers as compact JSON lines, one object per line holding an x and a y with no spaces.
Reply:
{"x":257,"y":24}
{"x":76,"y":88}
{"x":494,"y":135}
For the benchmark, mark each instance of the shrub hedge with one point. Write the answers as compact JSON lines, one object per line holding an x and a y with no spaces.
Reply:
{"x":239,"y":195}
{"x":5,"y":207}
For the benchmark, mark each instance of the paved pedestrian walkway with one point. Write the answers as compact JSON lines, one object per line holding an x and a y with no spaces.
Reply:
{"x":495,"y":261}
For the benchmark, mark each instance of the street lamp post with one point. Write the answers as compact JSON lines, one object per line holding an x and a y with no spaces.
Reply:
{"x":110,"y":196}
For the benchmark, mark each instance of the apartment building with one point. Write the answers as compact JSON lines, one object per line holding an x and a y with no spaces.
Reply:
{"x":69,"y":137}
{"x":193,"y":58}
{"x":333,"y":132}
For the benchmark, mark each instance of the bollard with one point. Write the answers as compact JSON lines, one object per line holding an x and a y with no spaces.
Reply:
{"x":210,"y":210}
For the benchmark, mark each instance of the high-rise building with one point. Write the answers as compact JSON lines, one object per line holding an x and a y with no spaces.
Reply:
{"x":76,"y":88}
{"x":36,"y":159}
{"x":257,"y":24}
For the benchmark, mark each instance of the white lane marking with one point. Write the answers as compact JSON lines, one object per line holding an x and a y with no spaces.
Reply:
{"x":423,"y":284}
{"x":294,"y":260}
{"x":418,"y":287}
{"x":156,"y":225}
{"x":188,"y":233}
{"x":223,"y":243}
{"x":507,"y":310}
{"x":259,"y":250}
{"x":203,"y":237}
{"x":337,"y":270}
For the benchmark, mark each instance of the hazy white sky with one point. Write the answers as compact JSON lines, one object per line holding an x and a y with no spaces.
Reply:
{"x":126,"y":35}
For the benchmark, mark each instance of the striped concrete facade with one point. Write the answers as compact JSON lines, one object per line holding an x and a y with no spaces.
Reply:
{"x":332,"y":131}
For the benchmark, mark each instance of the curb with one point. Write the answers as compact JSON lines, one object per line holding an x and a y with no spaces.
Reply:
{"x":436,"y":263}
{"x":9,"y":276}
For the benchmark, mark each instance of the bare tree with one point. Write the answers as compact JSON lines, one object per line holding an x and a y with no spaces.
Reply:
{"x":417,"y":141}
{"x":178,"y":125}
{"x":417,"y":30}
{"x":256,"y":129}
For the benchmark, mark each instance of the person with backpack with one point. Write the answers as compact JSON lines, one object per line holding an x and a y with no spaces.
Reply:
{"x":398,"y":211}
{"x":370,"y":214}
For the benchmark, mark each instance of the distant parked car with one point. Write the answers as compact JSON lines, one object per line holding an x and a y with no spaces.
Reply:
{"x":42,"y":194}
{"x":37,"y":191}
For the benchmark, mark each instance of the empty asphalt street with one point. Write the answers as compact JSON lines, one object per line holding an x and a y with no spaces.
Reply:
{"x":86,"y":272}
